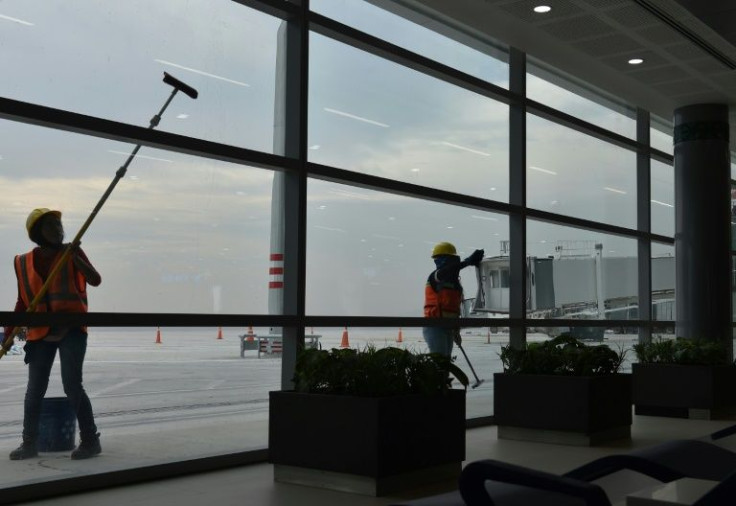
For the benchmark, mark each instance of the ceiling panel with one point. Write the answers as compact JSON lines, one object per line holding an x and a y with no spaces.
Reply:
{"x":579,"y":27}
{"x":688,"y":46}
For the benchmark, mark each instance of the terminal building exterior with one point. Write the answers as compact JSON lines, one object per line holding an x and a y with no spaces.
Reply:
{"x":334,"y":142}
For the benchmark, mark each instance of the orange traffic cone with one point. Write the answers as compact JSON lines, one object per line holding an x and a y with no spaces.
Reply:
{"x":345,"y":343}
{"x":400,"y":339}
{"x":250,"y":333}
{"x":219,"y":332}
{"x":158,"y":335}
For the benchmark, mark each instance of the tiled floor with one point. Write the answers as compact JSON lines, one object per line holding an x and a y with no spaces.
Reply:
{"x":253,"y":485}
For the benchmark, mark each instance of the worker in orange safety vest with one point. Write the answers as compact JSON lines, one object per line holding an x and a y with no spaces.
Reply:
{"x":443,"y":295}
{"x":67,"y":292}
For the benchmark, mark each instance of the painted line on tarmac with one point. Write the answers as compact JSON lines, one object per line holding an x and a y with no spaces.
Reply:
{"x":168,"y":361}
{"x":114,"y":387}
{"x":214,"y":384}
{"x":14,"y":387}
{"x":182,"y":391}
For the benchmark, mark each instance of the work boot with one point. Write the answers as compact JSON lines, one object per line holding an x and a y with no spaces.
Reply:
{"x":26,"y":450}
{"x":89,"y":446}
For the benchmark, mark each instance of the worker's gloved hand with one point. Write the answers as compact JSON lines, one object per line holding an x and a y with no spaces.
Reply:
{"x":476,"y":257}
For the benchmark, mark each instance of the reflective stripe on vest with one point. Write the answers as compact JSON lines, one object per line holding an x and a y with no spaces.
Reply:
{"x":66,"y":294}
{"x":443,"y":303}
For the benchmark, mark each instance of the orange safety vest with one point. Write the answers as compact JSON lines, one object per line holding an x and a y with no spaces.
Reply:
{"x":445,"y":302}
{"x":67,"y":292}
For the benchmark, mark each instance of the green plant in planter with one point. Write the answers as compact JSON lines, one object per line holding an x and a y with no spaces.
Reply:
{"x":563,"y":355}
{"x":374,"y":372}
{"x":683,"y":351}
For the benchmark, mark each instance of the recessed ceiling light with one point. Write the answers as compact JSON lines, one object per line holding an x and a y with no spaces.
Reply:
{"x":636,"y":61}
{"x":542,"y":9}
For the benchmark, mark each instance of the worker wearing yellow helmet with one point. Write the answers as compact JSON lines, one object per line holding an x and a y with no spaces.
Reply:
{"x":443,"y":295}
{"x":66,"y":293}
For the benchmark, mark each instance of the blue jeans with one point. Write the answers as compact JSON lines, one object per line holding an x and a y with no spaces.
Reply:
{"x":439,"y":340}
{"x":40,"y":357}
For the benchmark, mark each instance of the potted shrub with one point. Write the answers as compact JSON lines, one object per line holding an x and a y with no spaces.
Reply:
{"x":562,"y":391}
{"x":370,"y":421}
{"x":684,"y":378}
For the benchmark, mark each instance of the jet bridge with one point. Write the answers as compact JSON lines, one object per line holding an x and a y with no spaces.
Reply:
{"x":585,"y":286}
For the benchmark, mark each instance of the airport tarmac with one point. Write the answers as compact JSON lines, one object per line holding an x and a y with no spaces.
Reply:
{"x":192,"y":395}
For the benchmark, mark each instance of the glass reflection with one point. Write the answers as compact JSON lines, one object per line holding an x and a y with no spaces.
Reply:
{"x":580,"y":274}
{"x":373,"y":116}
{"x":663,"y":282}
{"x":565,"y":93}
{"x":577,"y":175}
{"x":368,"y":253}
{"x":155,"y":389}
{"x":662,"y":198}
{"x":660,"y":135}
{"x":483,"y":60}
{"x":179,"y":234}
{"x":107,"y":59}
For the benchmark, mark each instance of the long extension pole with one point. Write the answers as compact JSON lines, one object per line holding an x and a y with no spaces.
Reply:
{"x":119,"y":174}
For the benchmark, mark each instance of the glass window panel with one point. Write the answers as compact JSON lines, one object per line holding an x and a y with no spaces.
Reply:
{"x":660,"y":135}
{"x":577,"y":175}
{"x":663,"y":282}
{"x":107,"y":59}
{"x":576,"y":98}
{"x":151,"y":400}
{"x":372,"y":116}
{"x":664,"y":332}
{"x":179,"y":234}
{"x":733,"y":218}
{"x":368,"y":253}
{"x":583,"y":274}
{"x":663,"y":198}
{"x":484,"y":60}
{"x":733,"y":288}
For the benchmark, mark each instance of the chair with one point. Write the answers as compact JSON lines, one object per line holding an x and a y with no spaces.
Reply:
{"x":601,"y":482}
{"x":513,"y":485}
{"x":540,"y":488}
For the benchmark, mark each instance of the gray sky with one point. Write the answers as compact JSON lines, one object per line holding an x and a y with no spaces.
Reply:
{"x":183,"y":234}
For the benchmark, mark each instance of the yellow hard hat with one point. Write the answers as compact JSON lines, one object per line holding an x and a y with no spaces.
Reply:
{"x":443,"y":248}
{"x":36,"y":214}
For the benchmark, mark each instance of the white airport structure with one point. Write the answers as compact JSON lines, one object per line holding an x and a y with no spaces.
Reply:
{"x":577,"y":282}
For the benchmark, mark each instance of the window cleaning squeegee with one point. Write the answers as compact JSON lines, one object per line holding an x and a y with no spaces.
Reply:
{"x":178,"y":86}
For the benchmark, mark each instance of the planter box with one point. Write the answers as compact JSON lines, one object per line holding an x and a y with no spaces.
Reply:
{"x":577,"y":410}
{"x":684,"y":391}
{"x":366,"y":445}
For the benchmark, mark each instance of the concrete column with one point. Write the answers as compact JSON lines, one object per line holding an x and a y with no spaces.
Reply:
{"x":702,"y":222}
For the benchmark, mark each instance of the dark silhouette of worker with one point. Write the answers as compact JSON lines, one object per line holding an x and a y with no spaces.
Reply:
{"x":67,"y":292}
{"x":443,"y":295}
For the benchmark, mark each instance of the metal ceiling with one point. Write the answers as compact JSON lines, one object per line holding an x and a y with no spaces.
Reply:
{"x":688,"y":46}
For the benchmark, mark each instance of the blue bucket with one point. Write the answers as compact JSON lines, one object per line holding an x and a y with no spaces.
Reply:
{"x":57,"y":426}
